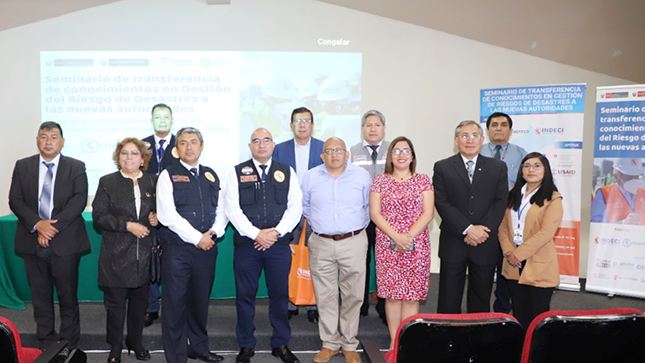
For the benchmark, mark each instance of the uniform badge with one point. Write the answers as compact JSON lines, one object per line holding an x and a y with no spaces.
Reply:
{"x":209,"y":176}
{"x":248,"y":178}
{"x":174,"y":153}
{"x":148,"y":195}
{"x":181,"y":178}
{"x":147,"y":144}
{"x":247,"y":170}
{"x":278,"y":176}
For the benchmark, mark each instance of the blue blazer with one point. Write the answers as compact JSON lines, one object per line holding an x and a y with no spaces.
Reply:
{"x":285,"y":153}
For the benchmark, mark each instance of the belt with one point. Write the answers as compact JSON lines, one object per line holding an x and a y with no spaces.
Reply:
{"x":342,"y":236}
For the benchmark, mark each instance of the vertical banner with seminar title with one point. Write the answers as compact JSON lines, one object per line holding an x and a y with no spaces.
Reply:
{"x":549,"y":119}
{"x":616,"y":233}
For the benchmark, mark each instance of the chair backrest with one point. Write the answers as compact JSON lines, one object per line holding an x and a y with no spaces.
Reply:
{"x":9,"y":341}
{"x":480,"y":337}
{"x":612,"y":335}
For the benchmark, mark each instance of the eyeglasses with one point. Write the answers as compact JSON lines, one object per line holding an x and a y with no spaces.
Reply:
{"x":258,"y":141}
{"x":302,"y":120}
{"x":535,"y":166}
{"x":397,"y":152}
{"x":337,"y":151}
{"x":466,"y":136}
{"x":134,"y":154}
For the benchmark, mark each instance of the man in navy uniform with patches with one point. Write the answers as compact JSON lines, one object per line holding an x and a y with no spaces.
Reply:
{"x":193,"y":217}
{"x":264,"y":204}
{"x":160,"y":145}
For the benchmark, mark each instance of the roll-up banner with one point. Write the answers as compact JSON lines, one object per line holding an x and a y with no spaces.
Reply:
{"x":549,"y":119}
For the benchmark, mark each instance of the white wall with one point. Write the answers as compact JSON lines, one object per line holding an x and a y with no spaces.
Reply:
{"x":424,"y":81}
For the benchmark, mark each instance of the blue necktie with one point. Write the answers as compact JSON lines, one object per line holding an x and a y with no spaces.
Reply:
{"x":470,"y":167}
{"x":194,"y":171}
{"x":374,"y":153}
{"x":46,"y":193}
{"x":498,"y":154}
{"x":264,"y":173}
{"x":161,"y":150}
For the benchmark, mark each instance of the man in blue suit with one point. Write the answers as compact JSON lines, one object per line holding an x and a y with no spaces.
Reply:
{"x":301,"y":153}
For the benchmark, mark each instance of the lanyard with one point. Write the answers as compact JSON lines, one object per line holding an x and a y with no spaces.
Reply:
{"x":520,"y":210}
{"x":492,"y":154}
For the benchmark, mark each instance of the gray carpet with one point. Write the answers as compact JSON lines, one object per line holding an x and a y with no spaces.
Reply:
{"x":305,"y":342}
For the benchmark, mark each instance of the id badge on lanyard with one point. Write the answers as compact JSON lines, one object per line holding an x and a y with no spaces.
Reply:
{"x":518,"y":233}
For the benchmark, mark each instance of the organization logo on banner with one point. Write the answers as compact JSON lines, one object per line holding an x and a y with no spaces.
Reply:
{"x":606,"y":241}
{"x":628,"y":243}
{"x":603,"y":263}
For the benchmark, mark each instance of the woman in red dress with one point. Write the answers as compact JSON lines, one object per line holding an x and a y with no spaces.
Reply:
{"x":402,"y":206}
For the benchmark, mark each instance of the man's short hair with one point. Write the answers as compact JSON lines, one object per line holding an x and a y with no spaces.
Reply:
{"x":499,"y":114}
{"x":302,"y":110}
{"x":48,"y":125}
{"x":372,"y":113}
{"x":468,"y":122}
{"x":190,"y":130}
{"x":160,"y":105}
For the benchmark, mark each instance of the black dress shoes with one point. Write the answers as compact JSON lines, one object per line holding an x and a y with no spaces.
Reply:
{"x":140,"y":354}
{"x":312,"y":316}
{"x":285,"y":354}
{"x":244,"y":356}
{"x":149,"y":318}
{"x":292,"y":313}
{"x":207,"y":357}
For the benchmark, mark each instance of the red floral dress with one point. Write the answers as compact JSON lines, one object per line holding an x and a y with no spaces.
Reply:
{"x":402,"y":276}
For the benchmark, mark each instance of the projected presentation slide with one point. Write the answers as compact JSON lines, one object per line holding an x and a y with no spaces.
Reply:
{"x":101,"y":97}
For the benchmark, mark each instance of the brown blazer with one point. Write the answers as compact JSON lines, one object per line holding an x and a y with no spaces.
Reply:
{"x":538,"y":248}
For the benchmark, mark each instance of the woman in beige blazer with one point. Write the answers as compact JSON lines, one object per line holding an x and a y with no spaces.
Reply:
{"x":526,"y":235}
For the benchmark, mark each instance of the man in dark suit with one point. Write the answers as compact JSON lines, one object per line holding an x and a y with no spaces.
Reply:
{"x":192,"y":214}
{"x":301,"y":153}
{"x":161,"y":146}
{"x":471,"y":193}
{"x":48,"y":194}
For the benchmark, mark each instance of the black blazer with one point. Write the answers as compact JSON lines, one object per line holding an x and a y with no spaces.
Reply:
{"x":125,"y":259}
{"x":70,"y":197}
{"x":168,"y":159}
{"x":461,"y":204}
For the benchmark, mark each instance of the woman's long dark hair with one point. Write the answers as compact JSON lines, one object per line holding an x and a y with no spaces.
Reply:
{"x":546,"y":189}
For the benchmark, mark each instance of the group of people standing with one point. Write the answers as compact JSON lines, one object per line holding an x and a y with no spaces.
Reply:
{"x":354,"y":201}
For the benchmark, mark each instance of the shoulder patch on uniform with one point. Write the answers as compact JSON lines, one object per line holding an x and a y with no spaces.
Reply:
{"x":148,"y":145}
{"x":181,"y":178}
{"x":175,"y":153}
{"x":209,"y":176}
{"x":248,"y":178}
{"x":278,"y":176}
{"x":247,"y":170}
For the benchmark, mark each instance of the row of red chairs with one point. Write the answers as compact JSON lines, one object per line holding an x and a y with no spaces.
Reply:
{"x":595,"y":336}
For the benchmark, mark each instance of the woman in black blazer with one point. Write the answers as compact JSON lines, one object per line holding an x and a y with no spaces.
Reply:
{"x":125,"y":209}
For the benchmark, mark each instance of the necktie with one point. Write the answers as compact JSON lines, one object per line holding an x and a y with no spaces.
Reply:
{"x":264,"y":173}
{"x":161,"y":150}
{"x":46,"y":193}
{"x":194,"y":171}
{"x":470,"y":167}
{"x":374,"y":153}
{"x":498,"y":154}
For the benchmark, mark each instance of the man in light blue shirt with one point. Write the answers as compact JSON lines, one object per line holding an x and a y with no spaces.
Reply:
{"x":499,"y":128}
{"x":336,"y":204}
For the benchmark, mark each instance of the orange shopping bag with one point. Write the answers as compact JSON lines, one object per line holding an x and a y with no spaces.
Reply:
{"x":301,"y":289}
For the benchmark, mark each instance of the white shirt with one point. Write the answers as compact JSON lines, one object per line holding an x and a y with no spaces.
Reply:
{"x":302,"y":157}
{"x":519,"y":215}
{"x":290,"y":218}
{"x":168,"y":216}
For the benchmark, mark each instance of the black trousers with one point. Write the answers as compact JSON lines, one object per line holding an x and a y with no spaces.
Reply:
{"x":529,"y":301}
{"x":452,"y":279}
{"x":188,"y":275}
{"x":115,"y":300}
{"x":43,"y":274}
{"x":371,"y":242}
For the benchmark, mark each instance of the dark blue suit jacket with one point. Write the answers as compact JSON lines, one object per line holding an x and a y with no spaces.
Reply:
{"x":168,"y":159}
{"x":285,"y":153}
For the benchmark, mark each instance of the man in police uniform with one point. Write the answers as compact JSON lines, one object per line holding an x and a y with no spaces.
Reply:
{"x":192,"y":214}
{"x":264,"y":204}
{"x":370,"y":154}
{"x":160,"y":145}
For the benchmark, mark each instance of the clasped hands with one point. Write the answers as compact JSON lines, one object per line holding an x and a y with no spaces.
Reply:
{"x":139,"y":230}
{"x":512,"y":259}
{"x":403,"y":242}
{"x":46,"y":231}
{"x":476,"y":235}
{"x":265,"y":239}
